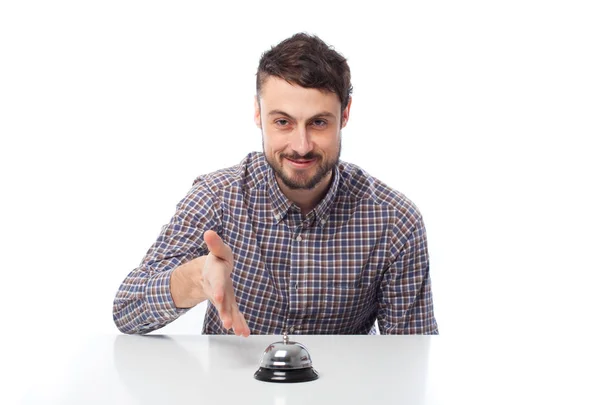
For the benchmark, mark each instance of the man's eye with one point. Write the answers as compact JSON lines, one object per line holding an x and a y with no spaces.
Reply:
{"x":319,"y":123}
{"x":281,"y":123}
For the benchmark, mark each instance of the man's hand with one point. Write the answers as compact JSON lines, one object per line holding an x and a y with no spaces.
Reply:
{"x":217,"y":284}
{"x":209,"y":277}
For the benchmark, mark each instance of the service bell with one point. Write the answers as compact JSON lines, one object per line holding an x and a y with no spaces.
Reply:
{"x":286,"y":362}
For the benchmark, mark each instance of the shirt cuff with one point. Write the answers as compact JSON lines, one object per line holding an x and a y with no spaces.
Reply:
{"x":159,"y":301}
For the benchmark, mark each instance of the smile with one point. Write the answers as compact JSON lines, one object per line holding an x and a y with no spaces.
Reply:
{"x":302,"y":163}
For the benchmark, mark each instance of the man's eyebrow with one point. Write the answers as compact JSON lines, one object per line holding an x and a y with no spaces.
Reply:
{"x":279,"y":112}
{"x":322,"y":114}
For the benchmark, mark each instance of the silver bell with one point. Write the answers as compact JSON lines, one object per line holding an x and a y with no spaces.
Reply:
{"x":286,"y":361}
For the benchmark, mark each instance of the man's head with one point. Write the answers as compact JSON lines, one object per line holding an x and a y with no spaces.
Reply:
{"x":303,"y":98}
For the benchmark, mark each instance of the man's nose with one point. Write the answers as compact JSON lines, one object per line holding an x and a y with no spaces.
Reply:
{"x":301,"y":143}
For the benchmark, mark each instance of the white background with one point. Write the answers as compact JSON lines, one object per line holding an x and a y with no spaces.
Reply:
{"x":486,"y":115}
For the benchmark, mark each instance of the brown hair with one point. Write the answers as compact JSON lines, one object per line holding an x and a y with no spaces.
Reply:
{"x":307,"y":61}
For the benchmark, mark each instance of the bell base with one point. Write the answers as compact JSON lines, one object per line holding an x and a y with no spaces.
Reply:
{"x":286,"y":376}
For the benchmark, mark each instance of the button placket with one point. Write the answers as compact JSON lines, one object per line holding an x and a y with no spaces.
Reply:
{"x":301,"y":239}
{"x":298,"y":263}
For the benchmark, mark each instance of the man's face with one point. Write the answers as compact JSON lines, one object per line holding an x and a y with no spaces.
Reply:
{"x":301,"y":131}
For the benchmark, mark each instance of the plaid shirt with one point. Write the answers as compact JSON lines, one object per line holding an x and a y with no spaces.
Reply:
{"x":359,"y":255}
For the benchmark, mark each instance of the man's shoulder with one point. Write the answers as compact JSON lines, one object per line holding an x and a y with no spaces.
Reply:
{"x":249,"y":173}
{"x":361,"y":186}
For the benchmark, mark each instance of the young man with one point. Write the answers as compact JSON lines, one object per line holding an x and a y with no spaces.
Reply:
{"x":291,"y":239}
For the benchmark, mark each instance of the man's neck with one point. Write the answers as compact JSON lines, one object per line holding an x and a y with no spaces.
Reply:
{"x":306,"y":200}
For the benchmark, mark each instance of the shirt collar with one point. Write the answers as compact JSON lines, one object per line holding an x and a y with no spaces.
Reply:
{"x":279,"y":201}
{"x":281,"y":204}
{"x":323,"y":209}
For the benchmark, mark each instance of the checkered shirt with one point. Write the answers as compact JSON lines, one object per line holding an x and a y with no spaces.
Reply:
{"x":359,"y":256}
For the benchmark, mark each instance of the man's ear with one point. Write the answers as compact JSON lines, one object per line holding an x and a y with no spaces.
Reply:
{"x":257,"y":120}
{"x":346,"y":113}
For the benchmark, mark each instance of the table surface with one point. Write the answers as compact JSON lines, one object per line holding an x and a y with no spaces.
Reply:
{"x":181,"y":369}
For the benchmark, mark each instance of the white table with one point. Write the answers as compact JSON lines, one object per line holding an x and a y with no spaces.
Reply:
{"x":196,"y":369}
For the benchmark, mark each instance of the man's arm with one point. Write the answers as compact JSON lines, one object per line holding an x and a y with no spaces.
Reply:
{"x":180,"y":270}
{"x":405,"y":300}
{"x":143,"y":302}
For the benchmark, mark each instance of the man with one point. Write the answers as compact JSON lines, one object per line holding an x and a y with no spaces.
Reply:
{"x":291,"y":239}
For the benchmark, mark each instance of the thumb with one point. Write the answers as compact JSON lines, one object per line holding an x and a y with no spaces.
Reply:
{"x":217,"y":247}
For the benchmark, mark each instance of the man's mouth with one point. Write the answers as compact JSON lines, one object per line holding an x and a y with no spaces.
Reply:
{"x":301,"y":163}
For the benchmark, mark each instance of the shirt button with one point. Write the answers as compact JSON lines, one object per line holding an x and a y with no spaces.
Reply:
{"x":323,"y":222}
{"x":299,"y":238}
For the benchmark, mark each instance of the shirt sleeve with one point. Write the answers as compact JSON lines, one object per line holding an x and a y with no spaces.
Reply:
{"x":143,"y":302}
{"x":405,"y":304}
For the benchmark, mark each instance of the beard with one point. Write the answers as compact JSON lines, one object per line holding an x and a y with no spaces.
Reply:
{"x":303,"y":181}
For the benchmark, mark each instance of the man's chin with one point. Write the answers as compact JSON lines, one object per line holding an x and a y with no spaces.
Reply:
{"x":298,"y":183}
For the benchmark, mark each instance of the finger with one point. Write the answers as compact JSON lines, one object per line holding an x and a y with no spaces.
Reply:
{"x":222,"y":303}
{"x":240,"y":327}
{"x":217,"y":247}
